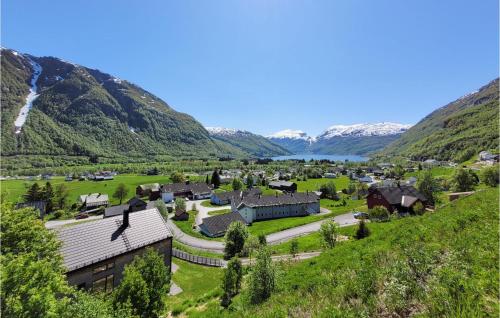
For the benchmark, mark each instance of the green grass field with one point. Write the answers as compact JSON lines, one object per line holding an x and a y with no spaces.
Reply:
{"x":314,"y":184}
{"x":15,"y":189}
{"x":199,"y":284}
{"x":219,"y":212}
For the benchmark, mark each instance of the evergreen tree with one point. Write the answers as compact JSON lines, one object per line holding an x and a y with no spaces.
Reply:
{"x":363,"y":230}
{"x":48,"y":196}
{"x":215,"y":179}
{"x":237,"y":184}
{"x":262,"y":277}
{"x":34,"y":193}
{"x":61,"y":196}
{"x":235,"y":238}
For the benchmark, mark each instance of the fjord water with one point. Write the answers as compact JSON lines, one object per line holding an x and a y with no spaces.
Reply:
{"x":308,"y":157}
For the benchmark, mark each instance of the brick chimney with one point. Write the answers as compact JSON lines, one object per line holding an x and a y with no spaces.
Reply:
{"x":126,"y":218}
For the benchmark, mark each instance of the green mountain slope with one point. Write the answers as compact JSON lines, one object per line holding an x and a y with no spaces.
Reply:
{"x":84,"y":112}
{"x":442,"y":264}
{"x":248,"y":142}
{"x":456,"y":131}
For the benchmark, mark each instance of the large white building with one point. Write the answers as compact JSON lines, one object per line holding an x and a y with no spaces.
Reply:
{"x":260,"y":207}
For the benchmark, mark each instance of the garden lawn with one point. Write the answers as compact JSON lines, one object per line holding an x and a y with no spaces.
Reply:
{"x":187,"y":227}
{"x":199,"y":284}
{"x":219,"y":212}
{"x":341,"y":182}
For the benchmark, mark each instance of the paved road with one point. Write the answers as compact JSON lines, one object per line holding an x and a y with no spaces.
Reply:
{"x":274,"y":238}
{"x":286,"y":235}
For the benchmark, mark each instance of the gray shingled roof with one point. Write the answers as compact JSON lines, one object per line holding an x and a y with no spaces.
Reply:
{"x":195,"y":188}
{"x":280,"y":183}
{"x":394,"y":195}
{"x":91,"y":242}
{"x":238,"y":193}
{"x":285,"y":199}
{"x":217,"y":225}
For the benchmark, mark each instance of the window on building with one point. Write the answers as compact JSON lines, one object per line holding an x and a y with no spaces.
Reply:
{"x":103,"y":267}
{"x":104,"y":284}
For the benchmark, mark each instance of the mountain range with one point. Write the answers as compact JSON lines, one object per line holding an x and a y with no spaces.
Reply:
{"x":52,"y":107}
{"x":357,"y":139}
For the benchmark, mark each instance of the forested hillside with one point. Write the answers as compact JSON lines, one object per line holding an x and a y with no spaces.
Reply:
{"x":84,"y":112}
{"x":456,"y":131}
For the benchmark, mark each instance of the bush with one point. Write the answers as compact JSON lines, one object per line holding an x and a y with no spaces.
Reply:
{"x":490,"y":176}
{"x":362,"y":231}
{"x":418,"y":208}
{"x":379,"y":214}
{"x":235,"y":238}
{"x":329,"y":233}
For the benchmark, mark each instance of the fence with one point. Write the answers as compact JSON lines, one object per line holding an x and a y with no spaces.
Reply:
{"x":206,"y":261}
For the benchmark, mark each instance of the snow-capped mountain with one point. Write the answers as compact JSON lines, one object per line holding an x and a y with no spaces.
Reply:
{"x":341,"y":139}
{"x":360,"y":130}
{"x":246,"y":141}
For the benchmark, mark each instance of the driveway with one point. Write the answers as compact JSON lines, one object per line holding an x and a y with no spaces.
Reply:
{"x":203,"y":210}
{"x":201,"y":244}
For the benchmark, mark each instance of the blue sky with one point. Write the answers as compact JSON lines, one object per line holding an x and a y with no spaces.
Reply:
{"x":266,"y":65}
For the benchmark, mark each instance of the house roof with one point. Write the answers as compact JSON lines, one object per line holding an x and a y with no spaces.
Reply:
{"x":238,"y":193}
{"x":218,"y":224}
{"x":281,"y":183}
{"x":272,"y":200}
{"x":408,"y":200}
{"x":136,"y":201}
{"x":94,"y":198}
{"x":91,"y":242}
{"x":151,"y":186}
{"x":194,"y":188}
{"x":115,"y":210}
{"x":394,"y":194}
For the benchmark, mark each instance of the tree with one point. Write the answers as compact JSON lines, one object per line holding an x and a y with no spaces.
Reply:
{"x":399,"y":171}
{"x":294,"y":247}
{"x":93,"y":305}
{"x":231,"y":281}
{"x":145,"y":282}
{"x":463,"y":180}
{"x":34,"y":193}
{"x":249,"y":181}
{"x":428,"y":186}
{"x":251,"y":243}
{"x":61,"y":196}
{"x":328,"y":190}
{"x":120,"y":192}
{"x":418,"y":208}
{"x":47,"y":195}
{"x":379,"y":213}
{"x":262,"y":240}
{"x":180,"y":204}
{"x":490,"y":176}
{"x":237,"y":184}
{"x":235,"y":238}
{"x":162,"y":208}
{"x":363,"y":230}
{"x":262,"y":277}
{"x":215,"y":179}
{"x":329,"y":233}
{"x":177,"y":177}
{"x":32,"y":273}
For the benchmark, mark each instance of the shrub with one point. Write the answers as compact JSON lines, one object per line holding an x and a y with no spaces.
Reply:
{"x":490,"y":176}
{"x":379,"y":213}
{"x":362,"y":231}
{"x":329,"y":233}
{"x":418,"y":208}
{"x":235,"y":238}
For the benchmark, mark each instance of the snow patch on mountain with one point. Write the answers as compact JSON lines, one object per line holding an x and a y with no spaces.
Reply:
{"x":32,"y":96}
{"x":291,"y":134}
{"x":220,"y":131}
{"x":359,"y":130}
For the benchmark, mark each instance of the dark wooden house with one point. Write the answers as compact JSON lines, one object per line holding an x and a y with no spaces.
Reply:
{"x":285,"y":186}
{"x":95,"y":253}
{"x":400,"y":198}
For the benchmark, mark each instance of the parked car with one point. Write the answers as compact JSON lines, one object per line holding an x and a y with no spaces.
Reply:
{"x":82,"y":216}
{"x":360,"y":215}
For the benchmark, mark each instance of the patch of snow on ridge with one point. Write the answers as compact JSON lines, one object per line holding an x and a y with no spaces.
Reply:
{"x":377,"y":129}
{"x":32,"y":96}
{"x":290,"y":134}
{"x":222,"y":131}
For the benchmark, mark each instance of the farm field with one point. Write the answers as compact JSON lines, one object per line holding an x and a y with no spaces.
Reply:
{"x":13,"y":190}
